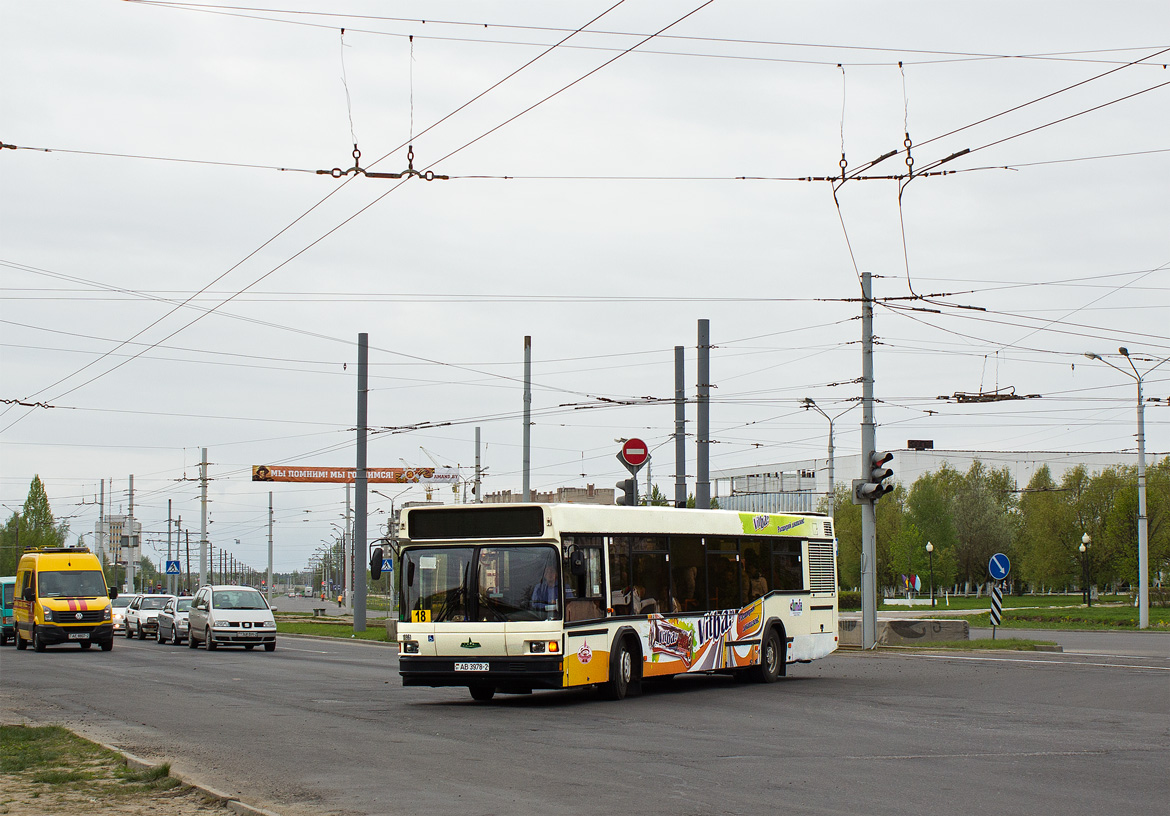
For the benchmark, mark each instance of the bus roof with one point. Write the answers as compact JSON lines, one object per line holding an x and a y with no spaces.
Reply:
{"x":546,"y":521}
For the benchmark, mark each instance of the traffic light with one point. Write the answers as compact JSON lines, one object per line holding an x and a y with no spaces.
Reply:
{"x":627,"y":492}
{"x":869,"y":490}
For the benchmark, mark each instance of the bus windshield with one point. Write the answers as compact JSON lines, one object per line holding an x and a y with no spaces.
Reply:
{"x":6,"y":598}
{"x":508,"y":583}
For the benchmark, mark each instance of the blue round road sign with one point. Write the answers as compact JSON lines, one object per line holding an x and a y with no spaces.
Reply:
{"x":999,"y":566}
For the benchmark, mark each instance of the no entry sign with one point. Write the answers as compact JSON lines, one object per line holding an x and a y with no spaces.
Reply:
{"x":634,"y":453}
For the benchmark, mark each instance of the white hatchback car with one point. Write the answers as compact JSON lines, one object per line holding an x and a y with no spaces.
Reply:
{"x":230,"y":616}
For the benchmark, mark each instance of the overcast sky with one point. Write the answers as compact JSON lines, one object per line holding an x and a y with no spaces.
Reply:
{"x":177,"y":276}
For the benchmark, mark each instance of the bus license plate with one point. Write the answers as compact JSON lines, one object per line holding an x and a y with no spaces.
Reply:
{"x":79,"y":636}
{"x":472,"y":667}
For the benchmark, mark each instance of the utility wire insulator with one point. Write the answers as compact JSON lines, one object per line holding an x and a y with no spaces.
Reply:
{"x":428,"y":175}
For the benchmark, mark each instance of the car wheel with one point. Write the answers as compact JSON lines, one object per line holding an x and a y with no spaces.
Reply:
{"x":211,"y":647}
{"x":129,"y":634}
{"x":84,"y":646}
{"x":175,"y":636}
{"x":249,"y":646}
{"x":141,"y":634}
{"x":270,"y":647}
{"x":38,"y":644}
{"x":107,"y":645}
{"x":158,"y":636}
{"x":192,"y":643}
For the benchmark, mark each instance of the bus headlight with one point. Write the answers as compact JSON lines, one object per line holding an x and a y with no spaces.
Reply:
{"x":543,"y":646}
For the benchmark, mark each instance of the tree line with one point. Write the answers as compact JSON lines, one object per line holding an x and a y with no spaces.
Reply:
{"x":969,"y":517}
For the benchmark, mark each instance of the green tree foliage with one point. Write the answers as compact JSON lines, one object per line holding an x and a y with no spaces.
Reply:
{"x":970,"y":516}
{"x":33,"y":527}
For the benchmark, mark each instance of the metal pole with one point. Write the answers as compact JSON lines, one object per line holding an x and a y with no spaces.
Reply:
{"x":203,"y":519}
{"x":131,"y":561}
{"x":359,"y":532}
{"x":1143,"y":521}
{"x":347,"y":548}
{"x":478,"y":481}
{"x":680,"y":428}
{"x":269,"y":595}
{"x":527,"y":486}
{"x":832,"y":483}
{"x":167,"y":571}
{"x":868,"y":446}
{"x":703,"y":426}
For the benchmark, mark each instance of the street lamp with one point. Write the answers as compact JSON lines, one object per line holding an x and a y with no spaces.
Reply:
{"x":1143,"y":522}
{"x":808,"y":402}
{"x":930,"y":558}
{"x":1084,"y":548}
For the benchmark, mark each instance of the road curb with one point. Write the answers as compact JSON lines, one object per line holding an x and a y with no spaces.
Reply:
{"x":228,"y":800}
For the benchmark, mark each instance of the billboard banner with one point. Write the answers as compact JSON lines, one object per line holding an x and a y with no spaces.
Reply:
{"x":421,"y":475}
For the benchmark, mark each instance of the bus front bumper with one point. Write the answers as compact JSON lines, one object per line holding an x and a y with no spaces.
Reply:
{"x":521,"y":674}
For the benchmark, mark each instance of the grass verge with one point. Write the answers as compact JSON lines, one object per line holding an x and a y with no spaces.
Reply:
{"x":336,"y":629}
{"x":1098,"y":617}
{"x":49,"y":769}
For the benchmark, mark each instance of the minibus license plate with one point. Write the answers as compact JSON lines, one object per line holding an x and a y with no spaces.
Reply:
{"x":472,"y":667}
{"x":79,"y":636}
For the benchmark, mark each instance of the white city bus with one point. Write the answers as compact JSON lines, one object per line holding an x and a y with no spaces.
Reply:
{"x":511,"y":598}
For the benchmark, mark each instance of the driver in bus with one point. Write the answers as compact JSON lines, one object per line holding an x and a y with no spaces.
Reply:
{"x":546,"y":596}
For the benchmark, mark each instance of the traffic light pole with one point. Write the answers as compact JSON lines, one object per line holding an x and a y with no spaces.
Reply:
{"x":868,"y":444}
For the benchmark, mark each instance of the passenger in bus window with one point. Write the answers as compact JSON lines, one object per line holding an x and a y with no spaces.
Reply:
{"x":755,"y":581}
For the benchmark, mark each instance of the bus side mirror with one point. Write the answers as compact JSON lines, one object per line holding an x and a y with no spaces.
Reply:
{"x":376,"y":563}
{"x":410,"y":574}
{"x":577,"y":562}
{"x":29,"y":595}
{"x":113,"y":593}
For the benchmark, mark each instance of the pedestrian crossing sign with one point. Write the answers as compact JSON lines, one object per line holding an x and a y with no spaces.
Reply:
{"x":172,"y":568}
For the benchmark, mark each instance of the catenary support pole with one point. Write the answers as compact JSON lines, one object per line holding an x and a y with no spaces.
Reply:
{"x":359,"y":533}
{"x":868,"y":445}
{"x":478,"y":478}
{"x":269,"y":596}
{"x":680,"y":427}
{"x":203,"y":543}
{"x":527,"y":437}
{"x":703,"y":425}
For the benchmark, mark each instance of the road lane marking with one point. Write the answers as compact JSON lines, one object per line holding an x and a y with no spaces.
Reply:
{"x":1044,"y":662}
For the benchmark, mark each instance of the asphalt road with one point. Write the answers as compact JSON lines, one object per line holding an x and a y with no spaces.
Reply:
{"x":324,"y":727}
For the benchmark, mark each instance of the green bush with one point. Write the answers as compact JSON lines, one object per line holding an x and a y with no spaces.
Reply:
{"x":849,"y":600}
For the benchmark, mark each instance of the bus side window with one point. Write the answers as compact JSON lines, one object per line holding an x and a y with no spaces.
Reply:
{"x":754,"y":569}
{"x":620,"y":586}
{"x":584,"y":579}
{"x":723,"y":574}
{"x":688,"y":573}
{"x":787,"y":573}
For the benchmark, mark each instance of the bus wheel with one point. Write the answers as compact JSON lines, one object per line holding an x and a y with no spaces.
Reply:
{"x":621,"y":673}
{"x":108,"y":644}
{"x":21,"y":643}
{"x":85,"y":645}
{"x":38,"y":643}
{"x":771,"y":660}
{"x":482,"y":694}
